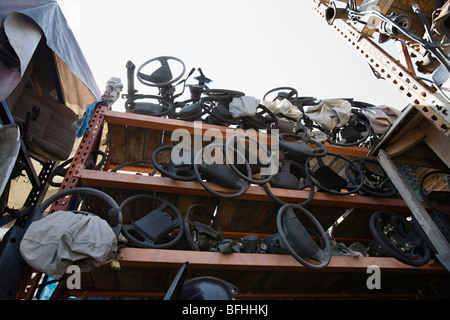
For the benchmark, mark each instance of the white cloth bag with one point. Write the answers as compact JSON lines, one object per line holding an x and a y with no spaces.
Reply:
{"x":65,"y":238}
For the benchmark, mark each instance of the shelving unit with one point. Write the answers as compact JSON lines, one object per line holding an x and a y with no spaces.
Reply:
{"x":148,"y":273}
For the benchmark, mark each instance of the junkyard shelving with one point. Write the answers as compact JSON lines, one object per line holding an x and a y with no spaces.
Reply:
{"x":149,"y":272}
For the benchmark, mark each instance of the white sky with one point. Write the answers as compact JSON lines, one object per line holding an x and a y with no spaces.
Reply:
{"x":251,"y":46}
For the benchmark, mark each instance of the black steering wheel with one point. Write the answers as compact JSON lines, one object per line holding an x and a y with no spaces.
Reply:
{"x":223,"y":94}
{"x":234,"y":146}
{"x":353,"y":133}
{"x":218,"y":112}
{"x":376,"y":181}
{"x":219,"y":172}
{"x":291,"y":94}
{"x":301,"y":145}
{"x":291,"y":175}
{"x":156,"y":229}
{"x":61,"y":170}
{"x":160,"y":109}
{"x":327,"y":179}
{"x":202,"y":234}
{"x":399,"y":237}
{"x":114,"y":213}
{"x":178,"y":171}
{"x":264,"y":119}
{"x":188,"y":110}
{"x":161,"y":77}
{"x":297,"y":239}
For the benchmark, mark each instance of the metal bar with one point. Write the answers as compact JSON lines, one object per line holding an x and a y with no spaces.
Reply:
{"x":432,"y":105}
{"x":417,"y":209}
{"x":7,"y":118}
{"x":89,"y":143}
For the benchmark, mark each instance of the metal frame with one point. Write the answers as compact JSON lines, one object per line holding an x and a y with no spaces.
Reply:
{"x":89,"y":143}
{"x":427,"y":101}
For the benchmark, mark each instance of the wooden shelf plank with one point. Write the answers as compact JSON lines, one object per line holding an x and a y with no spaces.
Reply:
{"x":168,"y":185}
{"x":138,"y":257}
{"x":166,"y":124}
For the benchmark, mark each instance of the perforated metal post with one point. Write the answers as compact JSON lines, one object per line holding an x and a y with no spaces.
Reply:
{"x":421,"y":215}
{"x":429,"y":102}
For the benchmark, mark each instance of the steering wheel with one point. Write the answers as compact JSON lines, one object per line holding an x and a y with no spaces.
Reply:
{"x":301,"y":145}
{"x":291,"y":94}
{"x":177,"y":171}
{"x":114,"y":213}
{"x":376,"y":182}
{"x":298,"y":241}
{"x":353,"y":133}
{"x":154,"y":230}
{"x":224,"y":95}
{"x":220,"y":173}
{"x":218,"y":112}
{"x":263,"y":119}
{"x":160,"y":109}
{"x":438,"y":200}
{"x":291,"y":175}
{"x":189,"y":110}
{"x":61,"y":170}
{"x":250,"y":157}
{"x":161,"y":77}
{"x":201,"y":236}
{"x":325,"y":178}
{"x":399,"y":237}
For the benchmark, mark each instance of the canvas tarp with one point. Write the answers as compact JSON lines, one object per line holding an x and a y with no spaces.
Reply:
{"x":25,"y":22}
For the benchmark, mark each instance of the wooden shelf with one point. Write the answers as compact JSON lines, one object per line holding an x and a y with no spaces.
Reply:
{"x":149,"y":272}
{"x":167,"y":185}
{"x":137,"y":257}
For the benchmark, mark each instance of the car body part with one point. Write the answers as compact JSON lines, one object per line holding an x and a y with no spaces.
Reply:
{"x":399,"y":238}
{"x":301,"y":146}
{"x":327,"y":179}
{"x":60,"y":171}
{"x":157,"y":229}
{"x":114,"y":214}
{"x":189,"y":110}
{"x":161,"y":77}
{"x":253,"y":151}
{"x":264,"y":119}
{"x":297,"y":240}
{"x":291,"y":175}
{"x":355,"y":132}
{"x":281,"y":93}
{"x":376,"y":181}
{"x":183,"y":171}
{"x":199,"y":288}
{"x":219,"y":173}
{"x":162,"y":108}
{"x":202,"y":229}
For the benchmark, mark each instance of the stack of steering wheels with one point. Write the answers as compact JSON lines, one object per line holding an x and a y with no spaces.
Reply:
{"x":299,"y":163}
